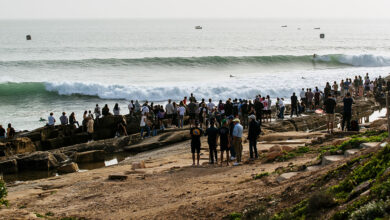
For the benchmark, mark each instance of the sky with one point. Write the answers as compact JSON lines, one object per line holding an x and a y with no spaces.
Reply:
{"x":89,"y":9}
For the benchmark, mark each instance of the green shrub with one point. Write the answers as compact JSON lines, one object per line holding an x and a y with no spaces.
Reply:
{"x":370,"y":211}
{"x":320,"y":200}
{"x":235,"y":216}
{"x":261,"y":175}
{"x":3,"y":193}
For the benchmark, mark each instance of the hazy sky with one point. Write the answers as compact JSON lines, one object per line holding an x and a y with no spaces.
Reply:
{"x":36,"y":9}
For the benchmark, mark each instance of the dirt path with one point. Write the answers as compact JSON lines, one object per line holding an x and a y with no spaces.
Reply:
{"x":167,"y":189}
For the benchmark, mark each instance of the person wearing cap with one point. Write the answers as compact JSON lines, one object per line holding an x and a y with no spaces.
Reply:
{"x":224,"y":140}
{"x":212,"y":135}
{"x":253,"y":133}
{"x":237,"y":139}
{"x":231,"y":128}
{"x":195,"y":133}
{"x":64,"y":119}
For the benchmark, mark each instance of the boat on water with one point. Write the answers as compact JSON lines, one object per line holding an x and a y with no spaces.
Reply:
{"x":284,"y":26}
{"x":317,"y":28}
{"x":198,"y":27}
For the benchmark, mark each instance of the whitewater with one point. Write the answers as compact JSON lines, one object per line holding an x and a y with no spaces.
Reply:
{"x":73,"y":65}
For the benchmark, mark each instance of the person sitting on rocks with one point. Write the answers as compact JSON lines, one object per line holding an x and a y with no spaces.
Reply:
{"x":2,"y":132}
{"x":90,"y":129}
{"x":72,"y":120}
{"x":64,"y":119}
{"x":105,"y":110}
{"x":51,"y":120}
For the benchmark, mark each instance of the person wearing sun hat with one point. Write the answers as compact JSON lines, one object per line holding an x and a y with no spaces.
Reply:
{"x":237,"y":140}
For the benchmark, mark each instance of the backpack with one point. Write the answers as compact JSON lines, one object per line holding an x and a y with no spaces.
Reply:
{"x":354,"y":125}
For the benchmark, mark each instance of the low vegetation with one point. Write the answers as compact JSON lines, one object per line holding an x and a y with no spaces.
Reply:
{"x":3,"y":193}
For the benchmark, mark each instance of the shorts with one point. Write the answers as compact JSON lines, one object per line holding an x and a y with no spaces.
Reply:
{"x":330,"y":117}
{"x":192,"y":116}
{"x":224,"y":147}
{"x":195,"y":148}
{"x":169,"y":116}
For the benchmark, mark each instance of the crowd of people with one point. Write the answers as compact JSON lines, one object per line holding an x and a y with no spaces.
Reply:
{"x":224,"y":122}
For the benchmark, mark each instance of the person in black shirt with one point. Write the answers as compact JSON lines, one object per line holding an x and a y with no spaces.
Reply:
{"x":294,"y":105}
{"x":195,"y":133}
{"x":228,"y":108}
{"x":253,"y":134}
{"x":231,"y":128}
{"x":244,"y":113}
{"x":330,"y":105}
{"x":347,"y":112}
{"x":212,"y":133}
{"x":224,"y":140}
{"x":259,"y":110}
{"x":2,"y":132}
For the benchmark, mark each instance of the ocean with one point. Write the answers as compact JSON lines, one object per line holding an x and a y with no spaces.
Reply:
{"x":71,"y":65}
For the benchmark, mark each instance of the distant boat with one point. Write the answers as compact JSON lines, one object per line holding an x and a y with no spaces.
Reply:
{"x":284,"y":26}
{"x":317,"y":28}
{"x":198,"y":27}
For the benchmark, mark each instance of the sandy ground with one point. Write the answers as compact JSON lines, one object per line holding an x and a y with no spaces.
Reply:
{"x":169,"y":188}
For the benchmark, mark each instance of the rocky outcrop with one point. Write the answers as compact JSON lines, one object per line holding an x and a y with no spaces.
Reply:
{"x":68,"y":168}
{"x":17,"y":146}
{"x":89,"y":156}
{"x":8,"y":166}
{"x":37,"y":161}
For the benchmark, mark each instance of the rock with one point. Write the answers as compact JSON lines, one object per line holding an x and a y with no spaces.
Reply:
{"x":271,"y":156}
{"x":338,"y":142}
{"x":366,"y":193}
{"x":40,"y":160}
{"x":331,"y":159}
{"x":275,"y":148}
{"x":312,"y":168}
{"x":369,"y":145}
{"x":138,"y":165}
{"x":285,"y":176}
{"x":119,"y":177}
{"x":68,"y":168}
{"x":287,"y":148}
{"x":351,"y":152}
{"x":8,"y":166}
{"x":18,"y":145}
{"x":89,"y":156}
{"x":360,"y":188}
{"x":60,"y":157}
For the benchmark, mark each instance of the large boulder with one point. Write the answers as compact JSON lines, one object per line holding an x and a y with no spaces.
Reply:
{"x":40,"y":160}
{"x":8,"y":166}
{"x":18,"y":145}
{"x":89,"y":156}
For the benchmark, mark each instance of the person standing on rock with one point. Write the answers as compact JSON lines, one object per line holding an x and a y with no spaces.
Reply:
{"x":330,"y":105}
{"x":224,"y":140}
{"x":90,"y":129}
{"x":253,"y":133}
{"x":182,"y":111}
{"x":237,"y":140}
{"x":192,"y":108}
{"x":144,"y":126}
{"x":97,"y":112}
{"x":294,"y":105}
{"x":51,"y":120}
{"x":64,"y":119}
{"x":145,"y":109}
{"x":10,"y":131}
{"x":195,"y":133}
{"x":169,"y":109}
{"x":212,"y":136}
{"x":117,"y":109}
{"x":347,"y":112}
{"x":2,"y":132}
{"x":131,"y":107}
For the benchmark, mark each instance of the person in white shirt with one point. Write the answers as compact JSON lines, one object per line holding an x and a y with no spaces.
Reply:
{"x":97,"y":111}
{"x":237,"y":139}
{"x":302,"y":95}
{"x":144,"y":126}
{"x":281,"y":107}
{"x":51,"y":120}
{"x":182,"y":111}
{"x":169,"y":110}
{"x":145,"y":109}
{"x":210,"y":106}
